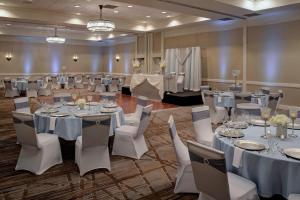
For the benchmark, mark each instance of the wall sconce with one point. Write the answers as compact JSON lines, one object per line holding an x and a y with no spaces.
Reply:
{"x":8,"y":56}
{"x":117,"y":58}
{"x":75,"y":58}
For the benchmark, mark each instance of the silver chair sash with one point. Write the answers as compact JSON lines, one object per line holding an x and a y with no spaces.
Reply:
{"x":22,"y":105}
{"x":29,"y":123}
{"x":196,"y":116}
{"x":87,"y":123}
{"x":218,"y":164}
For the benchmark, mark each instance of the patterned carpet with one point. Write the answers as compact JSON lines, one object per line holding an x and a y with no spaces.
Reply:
{"x":151,"y":177}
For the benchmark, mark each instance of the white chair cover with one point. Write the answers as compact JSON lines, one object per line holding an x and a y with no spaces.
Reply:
{"x":184,"y":177}
{"x":134,"y":118}
{"x":294,"y":197}
{"x":248,"y":108}
{"x":32,"y":89}
{"x":22,"y":105}
{"x":71,"y":82}
{"x":91,"y":149}
{"x":54,"y":82}
{"x":202,"y":125}
{"x":212,"y":178}
{"x":180,"y":82}
{"x":217,"y":113}
{"x":39,"y":152}
{"x":129,"y":140}
{"x":113,"y":87}
{"x":236,"y":88}
{"x":46,"y":89}
{"x":10,"y":91}
{"x":78,"y":82}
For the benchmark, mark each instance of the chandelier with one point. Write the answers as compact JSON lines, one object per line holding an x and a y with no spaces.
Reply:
{"x":55,"y":38}
{"x":100,"y":24}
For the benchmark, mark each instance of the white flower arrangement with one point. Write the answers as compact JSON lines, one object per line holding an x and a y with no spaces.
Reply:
{"x":136,"y":63}
{"x":162,"y":64}
{"x":81,"y":103}
{"x":280,"y":120}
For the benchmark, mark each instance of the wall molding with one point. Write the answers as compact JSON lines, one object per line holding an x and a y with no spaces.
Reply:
{"x":259,"y":83}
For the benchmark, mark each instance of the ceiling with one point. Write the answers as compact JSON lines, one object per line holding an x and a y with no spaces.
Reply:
{"x":37,"y":18}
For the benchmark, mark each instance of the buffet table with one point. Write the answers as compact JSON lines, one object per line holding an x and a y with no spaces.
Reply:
{"x":271,"y":170}
{"x":69,"y":127}
{"x":151,"y":86}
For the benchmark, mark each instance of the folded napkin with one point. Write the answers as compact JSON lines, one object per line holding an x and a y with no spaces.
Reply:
{"x":118,"y":119}
{"x":52,"y":123}
{"x":237,"y":157}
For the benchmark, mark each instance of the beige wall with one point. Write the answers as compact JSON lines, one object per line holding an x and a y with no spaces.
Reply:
{"x":126,"y":53}
{"x":221,"y":51}
{"x":273,"y":55}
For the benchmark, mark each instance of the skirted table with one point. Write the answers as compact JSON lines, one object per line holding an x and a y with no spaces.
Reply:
{"x":273,"y":172}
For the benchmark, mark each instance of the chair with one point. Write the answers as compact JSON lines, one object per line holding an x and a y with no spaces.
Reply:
{"x":212,"y":179}
{"x":202,"y":125}
{"x":294,"y":197}
{"x":204,"y":87}
{"x":236,"y":88}
{"x":62,"y":96}
{"x":129,"y":140}
{"x":100,"y":87}
{"x":32,"y":89}
{"x":40,"y":151}
{"x":274,"y":102}
{"x":22,"y":104}
{"x":180,"y":82}
{"x":54,"y":81}
{"x":113,"y":87}
{"x":10,"y":91}
{"x":71,"y":82}
{"x":46,"y":89}
{"x":184,"y":177}
{"x":134,"y":118}
{"x":91,"y":149}
{"x":265,"y":90}
{"x":122,"y":80}
{"x":78,"y":82}
{"x":217,"y":113}
{"x":108,"y":96}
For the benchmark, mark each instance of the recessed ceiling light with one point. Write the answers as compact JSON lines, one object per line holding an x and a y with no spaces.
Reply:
{"x":164,"y":12}
{"x":78,"y":13}
{"x":8,"y":24}
{"x":148,"y":16}
{"x":130,"y":6}
{"x":168,"y":16}
{"x":2,"y":4}
{"x":77,"y":6}
{"x":123,"y":34}
{"x":116,"y":11}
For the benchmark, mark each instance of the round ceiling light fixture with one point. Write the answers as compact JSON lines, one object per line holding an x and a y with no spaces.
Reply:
{"x":55,"y":38}
{"x":100,"y":24}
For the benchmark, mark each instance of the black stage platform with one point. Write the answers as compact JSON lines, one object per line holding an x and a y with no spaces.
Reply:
{"x":186,"y":98}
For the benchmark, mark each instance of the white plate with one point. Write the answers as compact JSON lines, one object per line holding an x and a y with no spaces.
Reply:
{"x":231,"y":133}
{"x":51,"y":110}
{"x":292,"y":152}
{"x":296,"y":126}
{"x":110,"y":106}
{"x":71,"y":104}
{"x":108,"y":110}
{"x":59,"y":114}
{"x":259,"y":122}
{"x":237,"y":125}
{"x":93,"y":103}
{"x":249,"y":145}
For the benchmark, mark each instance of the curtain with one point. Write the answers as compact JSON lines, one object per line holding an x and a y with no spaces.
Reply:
{"x":187,"y":60}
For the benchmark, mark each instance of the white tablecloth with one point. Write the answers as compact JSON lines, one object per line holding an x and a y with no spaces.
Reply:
{"x":155,"y":80}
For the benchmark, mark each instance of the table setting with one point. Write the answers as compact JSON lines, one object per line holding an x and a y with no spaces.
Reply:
{"x":64,"y":118}
{"x":266,"y":151}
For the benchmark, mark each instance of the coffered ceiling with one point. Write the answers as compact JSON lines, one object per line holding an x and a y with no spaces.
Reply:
{"x":37,"y":18}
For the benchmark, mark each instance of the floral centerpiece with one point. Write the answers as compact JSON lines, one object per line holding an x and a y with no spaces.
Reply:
{"x":162,"y":66}
{"x":81,"y":103}
{"x":136,"y":65}
{"x":280,"y":121}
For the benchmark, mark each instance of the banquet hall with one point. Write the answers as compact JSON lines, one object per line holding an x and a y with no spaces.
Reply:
{"x":150,"y":99}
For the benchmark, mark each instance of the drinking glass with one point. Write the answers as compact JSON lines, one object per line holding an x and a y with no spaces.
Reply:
{"x":74,"y":97}
{"x":89,"y":99}
{"x":293,"y":116}
{"x":265,"y":115}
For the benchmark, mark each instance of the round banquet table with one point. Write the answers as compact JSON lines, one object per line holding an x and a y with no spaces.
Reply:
{"x":273,"y":172}
{"x":70,"y":127}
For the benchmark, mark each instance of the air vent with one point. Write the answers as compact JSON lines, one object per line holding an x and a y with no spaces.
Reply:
{"x":252,"y":15}
{"x":226,"y":19}
{"x":108,"y":6}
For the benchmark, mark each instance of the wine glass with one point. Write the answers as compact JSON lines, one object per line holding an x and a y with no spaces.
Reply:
{"x":265,"y":115}
{"x":74,"y":97}
{"x":89,"y":99}
{"x":293,"y":116}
